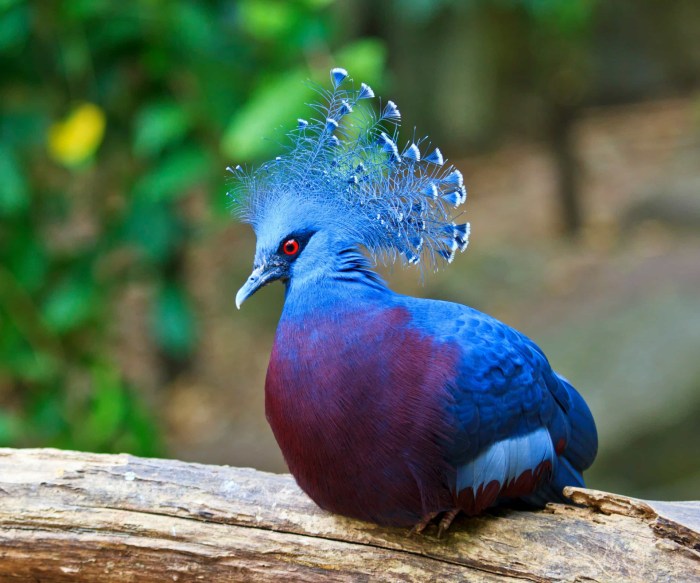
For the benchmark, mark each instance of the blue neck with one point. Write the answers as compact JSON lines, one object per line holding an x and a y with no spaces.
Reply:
{"x":350,"y":282}
{"x":353,"y":267}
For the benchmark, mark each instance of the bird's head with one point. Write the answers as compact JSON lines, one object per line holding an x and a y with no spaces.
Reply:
{"x":294,"y":241}
{"x":343,"y":184}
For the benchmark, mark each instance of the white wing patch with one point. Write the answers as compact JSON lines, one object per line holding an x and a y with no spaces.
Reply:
{"x":505,"y":461}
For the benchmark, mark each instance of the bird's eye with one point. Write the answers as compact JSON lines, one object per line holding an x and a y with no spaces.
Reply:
{"x":290,"y":247}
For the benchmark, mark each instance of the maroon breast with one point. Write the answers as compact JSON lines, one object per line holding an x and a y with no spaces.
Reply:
{"x":358,"y":404}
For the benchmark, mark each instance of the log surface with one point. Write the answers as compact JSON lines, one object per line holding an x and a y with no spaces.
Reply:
{"x":69,"y":516}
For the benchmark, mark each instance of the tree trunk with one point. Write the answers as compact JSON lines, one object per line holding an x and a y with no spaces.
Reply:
{"x":564,"y":154}
{"x":69,"y":516}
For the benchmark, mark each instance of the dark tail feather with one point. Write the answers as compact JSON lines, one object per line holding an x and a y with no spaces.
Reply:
{"x":583,"y":436}
{"x":578,"y":455}
{"x":564,"y":475}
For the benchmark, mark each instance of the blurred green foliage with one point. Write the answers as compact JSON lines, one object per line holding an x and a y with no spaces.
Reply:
{"x":113,"y":114}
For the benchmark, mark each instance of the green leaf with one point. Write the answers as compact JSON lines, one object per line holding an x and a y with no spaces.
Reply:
{"x":175,"y":174}
{"x":173,"y":322}
{"x":154,"y":227}
{"x":107,"y":408}
{"x":141,"y":436}
{"x":14,"y":25}
{"x":563,"y":16}
{"x":274,"y":103}
{"x":69,"y":305}
{"x":14,"y":193}
{"x":365,"y":60}
{"x":83,"y":10}
{"x":317,"y":4}
{"x":192,"y":22}
{"x":7,"y":4}
{"x":159,"y":125}
{"x":24,"y":128}
{"x":9,"y":429}
{"x":27,"y":258}
{"x":48,"y":420}
{"x":30,"y":365}
{"x":267,"y":19}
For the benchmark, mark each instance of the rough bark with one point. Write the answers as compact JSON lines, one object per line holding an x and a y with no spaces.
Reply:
{"x":69,"y":516}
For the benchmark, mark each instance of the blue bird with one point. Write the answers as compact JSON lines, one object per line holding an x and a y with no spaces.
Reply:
{"x":389,"y":408}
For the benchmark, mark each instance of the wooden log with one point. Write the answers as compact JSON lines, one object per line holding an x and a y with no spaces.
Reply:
{"x":69,"y":516}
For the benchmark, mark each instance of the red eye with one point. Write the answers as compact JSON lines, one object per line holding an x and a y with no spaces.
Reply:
{"x":290,"y":247}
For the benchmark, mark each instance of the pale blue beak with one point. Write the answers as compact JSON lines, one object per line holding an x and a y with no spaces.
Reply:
{"x":261,"y":276}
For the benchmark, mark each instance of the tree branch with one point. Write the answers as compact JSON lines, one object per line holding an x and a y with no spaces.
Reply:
{"x":69,"y":516}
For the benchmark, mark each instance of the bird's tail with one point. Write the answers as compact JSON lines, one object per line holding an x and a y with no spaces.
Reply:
{"x":578,"y":455}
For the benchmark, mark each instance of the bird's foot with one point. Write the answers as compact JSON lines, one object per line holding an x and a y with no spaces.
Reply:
{"x":425,"y":521}
{"x":443,"y":526}
{"x":446,"y":521}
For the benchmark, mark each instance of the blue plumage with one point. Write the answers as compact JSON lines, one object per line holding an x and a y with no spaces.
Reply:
{"x":386,"y":407}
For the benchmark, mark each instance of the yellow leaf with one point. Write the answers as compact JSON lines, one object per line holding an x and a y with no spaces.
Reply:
{"x":77,"y":137}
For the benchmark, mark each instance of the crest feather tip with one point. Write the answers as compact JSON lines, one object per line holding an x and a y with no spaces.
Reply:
{"x":338,"y":75}
{"x":365,"y":92}
{"x":412,"y":153}
{"x":435,"y":157}
{"x":391,"y":112}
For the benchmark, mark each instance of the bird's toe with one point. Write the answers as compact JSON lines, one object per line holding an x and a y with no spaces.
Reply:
{"x":446,"y":521}
{"x":425,"y":521}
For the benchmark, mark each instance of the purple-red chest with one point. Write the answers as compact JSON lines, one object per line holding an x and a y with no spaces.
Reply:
{"x":358,"y":403}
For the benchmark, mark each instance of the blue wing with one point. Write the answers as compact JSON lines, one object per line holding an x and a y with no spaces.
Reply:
{"x":520,"y":429}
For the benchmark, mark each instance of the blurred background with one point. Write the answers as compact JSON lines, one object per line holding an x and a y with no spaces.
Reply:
{"x":576,"y":124}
